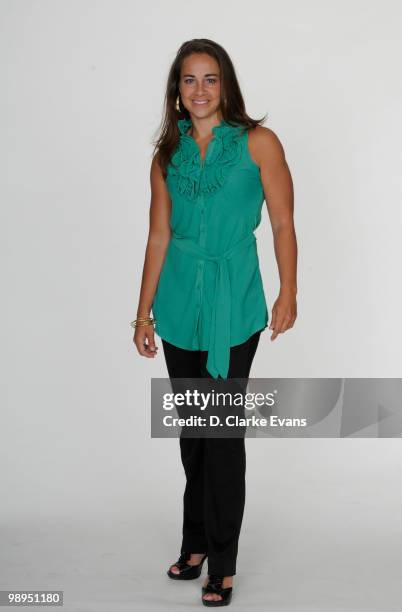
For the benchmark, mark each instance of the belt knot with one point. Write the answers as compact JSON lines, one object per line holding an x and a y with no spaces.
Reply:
{"x":219,"y":341}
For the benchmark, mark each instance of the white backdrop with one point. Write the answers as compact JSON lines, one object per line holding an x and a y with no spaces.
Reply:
{"x":82,"y":90}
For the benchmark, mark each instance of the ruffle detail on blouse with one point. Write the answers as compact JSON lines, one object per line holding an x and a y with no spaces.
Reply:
{"x":223,"y":152}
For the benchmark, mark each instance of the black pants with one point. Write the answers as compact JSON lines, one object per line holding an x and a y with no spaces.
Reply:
{"x":215,"y":468}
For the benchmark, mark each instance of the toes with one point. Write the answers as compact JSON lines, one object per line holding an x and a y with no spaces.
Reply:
{"x":212,"y":597}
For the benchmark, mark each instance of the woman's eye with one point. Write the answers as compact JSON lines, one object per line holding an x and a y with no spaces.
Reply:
{"x":211,"y":81}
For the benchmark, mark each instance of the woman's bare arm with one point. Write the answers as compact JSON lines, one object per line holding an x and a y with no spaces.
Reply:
{"x":158,"y":240}
{"x":267,"y":151}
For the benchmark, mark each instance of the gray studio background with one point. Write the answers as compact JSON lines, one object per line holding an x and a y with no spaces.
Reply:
{"x":89,"y":503}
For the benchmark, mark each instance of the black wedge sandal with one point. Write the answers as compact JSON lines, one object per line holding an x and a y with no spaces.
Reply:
{"x":187,"y":572}
{"x":215,"y":586}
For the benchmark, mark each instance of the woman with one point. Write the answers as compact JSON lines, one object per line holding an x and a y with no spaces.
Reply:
{"x":212,"y":169}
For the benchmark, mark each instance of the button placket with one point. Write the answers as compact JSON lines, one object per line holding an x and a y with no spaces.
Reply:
{"x":200,"y":266}
{"x":200,"y":263}
{"x":202,"y":222}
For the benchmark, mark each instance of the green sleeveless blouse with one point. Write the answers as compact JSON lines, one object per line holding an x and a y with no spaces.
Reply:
{"x":210,"y":294}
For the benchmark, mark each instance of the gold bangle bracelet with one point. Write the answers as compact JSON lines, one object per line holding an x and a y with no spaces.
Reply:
{"x":142,"y":321}
{"x":141,"y":324}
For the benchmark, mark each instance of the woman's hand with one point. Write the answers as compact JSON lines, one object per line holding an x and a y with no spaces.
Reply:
{"x":284,"y":312}
{"x":144,"y":340}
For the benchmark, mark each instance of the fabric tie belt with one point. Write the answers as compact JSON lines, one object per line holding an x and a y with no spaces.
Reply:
{"x":219,"y":341}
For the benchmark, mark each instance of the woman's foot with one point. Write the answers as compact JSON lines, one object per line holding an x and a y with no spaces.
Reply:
{"x":195,"y":559}
{"x":226,"y":583}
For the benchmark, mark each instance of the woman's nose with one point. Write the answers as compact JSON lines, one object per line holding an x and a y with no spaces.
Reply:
{"x":200,"y":90}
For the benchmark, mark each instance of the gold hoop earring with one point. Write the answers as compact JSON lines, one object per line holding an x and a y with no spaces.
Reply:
{"x":178,"y":104}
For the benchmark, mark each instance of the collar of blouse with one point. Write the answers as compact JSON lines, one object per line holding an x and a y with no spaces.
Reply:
{"x":195,"y":176}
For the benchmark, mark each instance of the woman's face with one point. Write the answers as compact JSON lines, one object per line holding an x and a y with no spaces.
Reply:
{"x":200,"y":86}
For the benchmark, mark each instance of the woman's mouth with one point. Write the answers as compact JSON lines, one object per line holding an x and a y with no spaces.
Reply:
{"x":200,"y":101}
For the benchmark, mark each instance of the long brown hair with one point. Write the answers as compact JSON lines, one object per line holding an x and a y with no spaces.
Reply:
{"x":233,"y":111}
